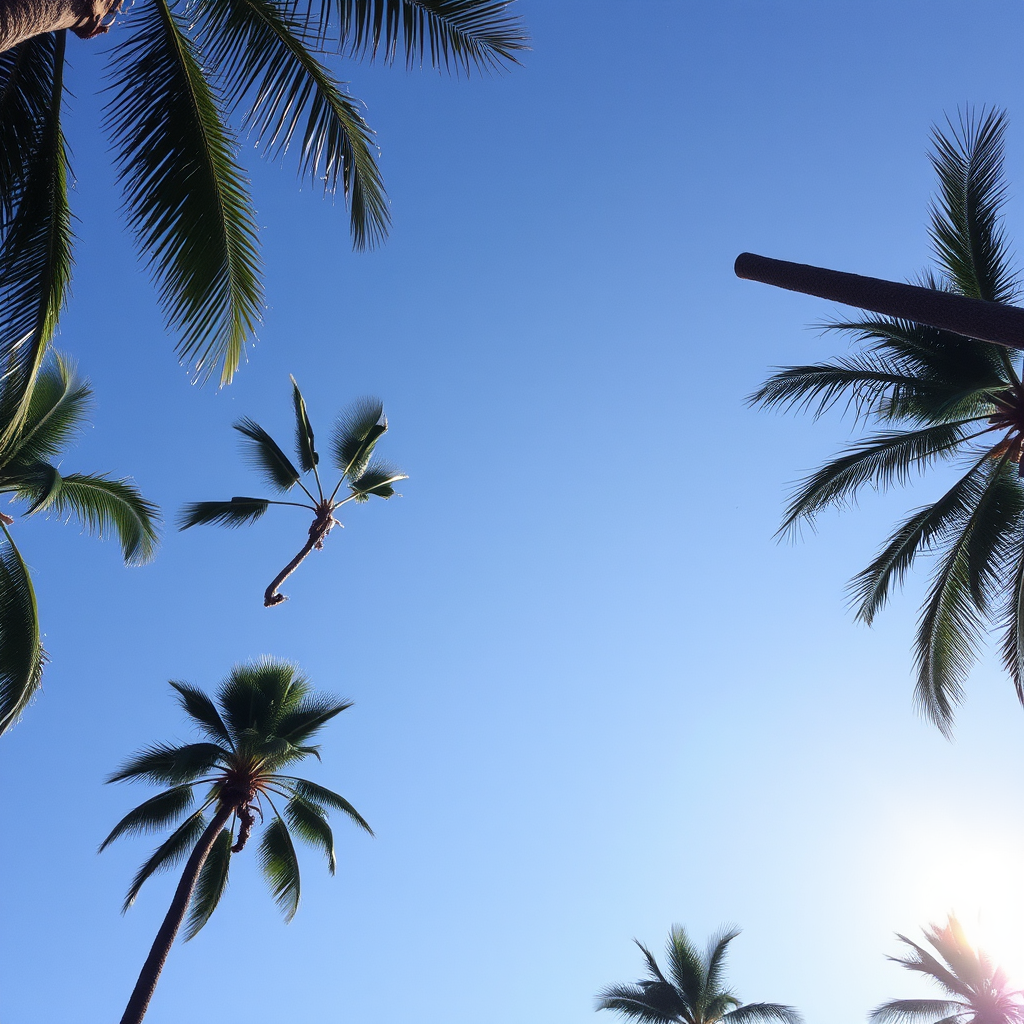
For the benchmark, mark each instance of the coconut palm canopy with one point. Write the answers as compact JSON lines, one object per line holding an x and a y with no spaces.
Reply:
{"x":352,"y":443}
{"x":181,"y":75}
{"x":976,"y":990}
{"x":691,"y":990}
{"x":939,"y":398}
{"x":28,"y":475}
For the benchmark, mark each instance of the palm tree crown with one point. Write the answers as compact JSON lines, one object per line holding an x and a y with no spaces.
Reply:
{"x":692,"y":991}
{"x":180,"y":69}
{"x":28,"y":474}
{"x":261,"y":722}
{"x":938,"y":397}
{"x":977,"y":992}
{"x":353,"y":440}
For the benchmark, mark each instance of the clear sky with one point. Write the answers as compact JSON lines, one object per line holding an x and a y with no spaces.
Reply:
{"x":594,"y":696}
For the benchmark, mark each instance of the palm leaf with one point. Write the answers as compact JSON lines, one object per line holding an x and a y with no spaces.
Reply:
{"x":35,"y":253}
{"x":714,"y":960}
{"x":309,"y":717}
{"x":911,"y":1011}
{"x":153,"y":814}
{"x":355,"y":434}
{"x":280,"y":866}
{"x":376,"y":479}
{"x":1013,"y":622}
{"x":686,"y":966}
{"x":317,"y":794}
{"x":762,"y":1012}
{"x":185,"y":195}
{"x":198,"y":706}
{"x":210,"y":885}
{"x":305,"y":444}
{"x":167,"y":854}
{"x":21,"y":651}
{"x":264,"y":453}
{"x":309,"y":824}
{"x":106,"y":506}
{"x":454,"y":34}
{"x":261,"y":50}
{"x":631,"y":1001}
{"x":236,"y":512}
{"x":164,"y":763}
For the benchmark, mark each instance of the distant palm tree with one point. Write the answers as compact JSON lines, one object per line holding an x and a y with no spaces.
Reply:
{"x":693,"y":991}
{"x":353,"y":440}
{"x":262,"y":721}
{"x":977,"y":992}
{"x":178,"y":70}
{"x":27,"y":473}
{"x":950,"y":397}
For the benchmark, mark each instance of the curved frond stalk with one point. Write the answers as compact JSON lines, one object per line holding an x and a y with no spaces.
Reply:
{"x":262,"y":51}
{"x":457,"y":35}
{"x":35,"y":251}
{"x":185,"y":195}
{"x":21,"y":650}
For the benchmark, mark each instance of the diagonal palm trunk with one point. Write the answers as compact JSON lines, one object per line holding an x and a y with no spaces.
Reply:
{"x":320,"y":528}
{"x":145,"y":986}
{"x":23,"y":19}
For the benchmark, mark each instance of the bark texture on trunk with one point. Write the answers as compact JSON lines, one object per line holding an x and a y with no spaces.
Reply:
{"x":154,"y":964}
{"x":23,"y":19}
{"x":994,"y":322}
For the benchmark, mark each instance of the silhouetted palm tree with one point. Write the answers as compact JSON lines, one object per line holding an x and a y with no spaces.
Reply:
{"x":976,"y":991}
{"x":27,"y":473}
{"x":262,"y":721}
{"x":692,"y":991}
{"x":939,"y":396}
{"x":353,"y":440}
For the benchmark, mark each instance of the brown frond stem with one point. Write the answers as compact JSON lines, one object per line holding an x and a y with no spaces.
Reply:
{"x":317,"y":532}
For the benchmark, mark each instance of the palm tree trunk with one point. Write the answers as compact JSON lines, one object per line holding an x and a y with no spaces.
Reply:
{"x":994,"y":322}
{"x":154,"y":964}
{"x":23,"y":19}
{"x":320,"y":528}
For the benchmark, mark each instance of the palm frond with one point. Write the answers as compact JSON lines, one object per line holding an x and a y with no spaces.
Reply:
{"x":186,"y":198}
{"x":631,"y":1002}
{"x":198,"y":706}
{"x":652,"y":963}
{"x":265,"y":455}
{"x":966,"y":230}
{"x":177,"y":845}
{"x":305,"y":444}
{"x":164,"y":763}
{"x":316,"y":794}
{"x":210,"y":885}
{"x":280,"y":866}
{"x":950,"y":627}
{"x":686,"y":967}
{"x":715,"y":958}
{"x":21,"y":650}
{"x":105,"y":506}
{"x":262,"y":50}
{"x":309,"y":823}
{"x":915,"y":1011}
{"x":880,"y":460}
{"x":759,"y":1013}
{"x":456,"y":35}
{"x":377,"y":479}
{"x":236,"y":512}
{"x":258,"y":694}
{"x":311,"y":715}
{"x":355,"y":434}
{"x":1013,"y":624}
{"x":35,"y":251}
{"x":153,"y":814}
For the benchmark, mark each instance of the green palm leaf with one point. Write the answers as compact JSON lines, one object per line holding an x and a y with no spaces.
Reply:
{"x":308,"y":717}
{"x":632,"y":1002}
{"x":21,"y":651}
{"x":167,"y":854}
{"x":280,"y":866}
{"x":377,"y":479}
{"x":309,"y":823}
{"x":316,"y":794}
{"x":185,"y":195}
{"x":454,"y":34}
{"x":355,"y":434}
{"x":1013,"y":623}
{"x":212,"y":882}
{"x":260,"y":49}
{"x":686,"y":967}
{"x":35,"y":255}
{"x":152,"y":815}
{"x":202,"y":710}
{"x":164,"y":763}
{"x":305,"y":444}
{"x":236,"y":512}
{"x":715,"y":958}
{"x":264,"y":453}
{"x":912,"y":1011}
{"x":756,"y":1013}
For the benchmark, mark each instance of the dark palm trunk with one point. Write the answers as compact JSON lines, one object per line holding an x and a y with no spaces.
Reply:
{"x":320,"y":528}
{"x":154,"y":964}
{"x":995,"y":322}
{"x":22,"y":19}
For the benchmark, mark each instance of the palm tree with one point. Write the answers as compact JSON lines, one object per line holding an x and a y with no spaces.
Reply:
{"x":59,"y":403}
{"x":977,"y":992}
{"x":353,"y":440}
{"x":178,"y":73}
{"x":693,"y":992}
{"x":261,"y":722}
{"x":938,"y":396}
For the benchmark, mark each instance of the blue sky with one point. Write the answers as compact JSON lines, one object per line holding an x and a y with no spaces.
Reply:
{"x":594,"y":696}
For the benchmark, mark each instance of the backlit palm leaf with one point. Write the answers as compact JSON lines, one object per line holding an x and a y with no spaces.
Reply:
{"x":177,"y":846}
{"x":305,"y":444}
{"x":185,"y":195}
{"x":355,"y":434}
{"x":152,"y":815}
{"x":236,"y":512}
{"x":21,"y":651}
{"x":280,"y":866}
{"x":263,"y":452}
{"x":213,"y":879}
{"x":309,"y":823}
